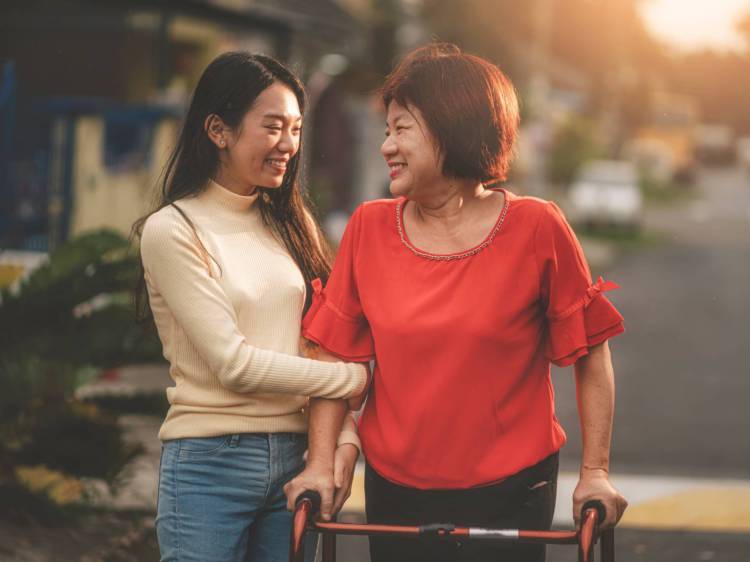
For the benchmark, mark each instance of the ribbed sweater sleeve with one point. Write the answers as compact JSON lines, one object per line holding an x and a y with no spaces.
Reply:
{"x":177,"y":268}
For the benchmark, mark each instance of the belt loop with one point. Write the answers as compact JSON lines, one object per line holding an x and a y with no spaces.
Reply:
{"x":234,"y":440}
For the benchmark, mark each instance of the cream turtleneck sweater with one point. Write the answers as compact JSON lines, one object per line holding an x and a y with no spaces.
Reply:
{"x":229,"y":322}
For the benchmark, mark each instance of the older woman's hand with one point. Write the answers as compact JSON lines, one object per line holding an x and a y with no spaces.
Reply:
{"x":594,"y":484}
{"x":316,"y":477}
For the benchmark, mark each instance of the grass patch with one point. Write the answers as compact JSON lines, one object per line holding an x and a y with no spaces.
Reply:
{"x":659,"y":193}
{"x":622,"y":239}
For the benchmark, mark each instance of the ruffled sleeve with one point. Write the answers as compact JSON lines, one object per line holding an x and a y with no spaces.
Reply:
{"x":578,"y":315}
{"x":335,"y":320}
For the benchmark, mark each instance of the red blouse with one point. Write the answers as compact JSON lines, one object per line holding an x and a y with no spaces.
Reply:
{"x":461,"y":394}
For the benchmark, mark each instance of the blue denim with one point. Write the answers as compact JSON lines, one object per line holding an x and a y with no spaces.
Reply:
{"x":221,"y":498}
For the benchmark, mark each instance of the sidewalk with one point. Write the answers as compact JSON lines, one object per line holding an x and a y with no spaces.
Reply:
{"x":599,"y":254}
{"x":140,"y":478}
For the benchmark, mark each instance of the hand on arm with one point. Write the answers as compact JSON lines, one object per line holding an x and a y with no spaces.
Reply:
{"x":595,"y":394}
{"x":329,"y":468}
{"x":326,"y":417}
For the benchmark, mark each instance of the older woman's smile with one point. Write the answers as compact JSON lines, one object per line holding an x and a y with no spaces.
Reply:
{"x":396,"y":168}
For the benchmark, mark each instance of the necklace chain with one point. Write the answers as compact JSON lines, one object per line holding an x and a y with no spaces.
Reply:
{"x":448,"y":257}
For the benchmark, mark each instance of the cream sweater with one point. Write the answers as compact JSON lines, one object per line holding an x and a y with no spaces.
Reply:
{"x":229,"y":322}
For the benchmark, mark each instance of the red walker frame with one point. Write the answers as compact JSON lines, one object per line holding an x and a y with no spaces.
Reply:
{"x":592,"y":513}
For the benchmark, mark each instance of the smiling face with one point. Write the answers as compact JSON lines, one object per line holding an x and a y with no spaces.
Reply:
{"x":411,"y":152}
{"x":257,"y":152}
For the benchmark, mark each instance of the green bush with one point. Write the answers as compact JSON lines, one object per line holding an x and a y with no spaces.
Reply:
{"x":72,"y":317}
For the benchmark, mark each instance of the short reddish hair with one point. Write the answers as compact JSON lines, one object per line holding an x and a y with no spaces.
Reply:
{"x":467,"y":102}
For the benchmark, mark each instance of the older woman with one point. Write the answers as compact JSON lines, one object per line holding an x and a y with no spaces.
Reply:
{"x":464,"y":295}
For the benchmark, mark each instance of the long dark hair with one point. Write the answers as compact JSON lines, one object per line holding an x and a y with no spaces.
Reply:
{"x":228,"y":88}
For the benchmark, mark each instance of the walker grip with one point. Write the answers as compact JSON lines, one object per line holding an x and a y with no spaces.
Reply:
{"x":601,"y":511}
{"x":313,"y":497}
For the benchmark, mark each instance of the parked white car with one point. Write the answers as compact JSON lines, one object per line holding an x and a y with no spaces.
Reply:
{"x":607,"y":193}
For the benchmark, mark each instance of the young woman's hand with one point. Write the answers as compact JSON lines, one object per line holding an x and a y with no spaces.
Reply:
{"x":316,"y":477}
{"x":343,"y":472}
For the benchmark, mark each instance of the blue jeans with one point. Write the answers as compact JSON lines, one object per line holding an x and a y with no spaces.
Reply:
{"x":221,"y":499}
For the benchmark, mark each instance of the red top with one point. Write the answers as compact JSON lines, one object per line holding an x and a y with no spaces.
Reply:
{"x":462,"y":343}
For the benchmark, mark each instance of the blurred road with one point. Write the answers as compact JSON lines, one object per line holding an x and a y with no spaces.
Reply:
{"x":683,"y":381}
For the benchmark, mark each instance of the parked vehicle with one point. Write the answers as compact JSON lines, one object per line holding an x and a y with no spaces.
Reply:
{"x":743,"y":152}
{"x":607,"y":193}
{"x":653,"y":159}
{"x":715,"y":145}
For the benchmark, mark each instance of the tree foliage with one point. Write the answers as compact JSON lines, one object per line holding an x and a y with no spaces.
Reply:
{"x":573,"y":144}
{"x":719,"y":82}
{"x":497,"y":30}
{"x":76,"y":308}
{"x":607,"y":43}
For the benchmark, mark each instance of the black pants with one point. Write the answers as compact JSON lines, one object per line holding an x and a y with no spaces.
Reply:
{"x":525,"y":500}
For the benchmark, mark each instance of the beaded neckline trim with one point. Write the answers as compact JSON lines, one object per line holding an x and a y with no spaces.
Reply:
{"x":448,"y":257}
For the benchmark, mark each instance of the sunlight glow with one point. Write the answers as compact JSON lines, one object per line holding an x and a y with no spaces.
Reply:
{"x":696,"y":24}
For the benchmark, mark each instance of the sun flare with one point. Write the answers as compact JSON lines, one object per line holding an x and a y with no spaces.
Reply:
{"x":697,"y":24}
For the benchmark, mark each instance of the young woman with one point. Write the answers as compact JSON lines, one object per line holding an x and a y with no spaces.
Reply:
{"x":464,"y":295}
{"x":228,"y":259}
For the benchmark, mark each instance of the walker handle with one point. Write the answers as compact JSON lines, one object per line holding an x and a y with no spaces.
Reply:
{"x":313,"y":497}
{"x":305,"y":506}
{"x":601,"y":511}
{"x":589,"y":530}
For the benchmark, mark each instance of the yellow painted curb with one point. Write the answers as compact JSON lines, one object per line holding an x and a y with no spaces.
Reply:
{"x":725,"y":510}
{"x":356,"y":502}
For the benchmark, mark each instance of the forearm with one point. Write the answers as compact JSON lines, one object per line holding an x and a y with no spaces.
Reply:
{"x":326,"y":420}
{"x":329,"y":468}
{"x":326,"y":417}
{"x":595,"y":392}
{"x":252,"y":369}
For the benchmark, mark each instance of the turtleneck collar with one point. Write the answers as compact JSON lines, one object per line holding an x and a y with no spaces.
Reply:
{"x":228,"y":199}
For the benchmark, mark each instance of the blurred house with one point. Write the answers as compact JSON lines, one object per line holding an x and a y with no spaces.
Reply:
{"x":665,"y":146}
{"x":92,"y":93}
{"x":557,"y":95}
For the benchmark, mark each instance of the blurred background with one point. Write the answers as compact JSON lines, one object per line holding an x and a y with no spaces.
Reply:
{"x":635,"y":119}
